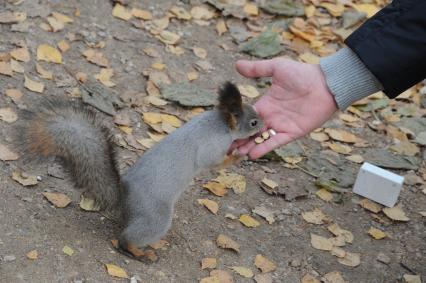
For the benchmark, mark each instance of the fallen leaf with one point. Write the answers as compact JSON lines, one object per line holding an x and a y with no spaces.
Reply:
{"x":32,"y":255}
{"x":121,"y":12}
{"x":340,"y":148}
{"x":180,"y":13}
{"x":168,"y":37}
{"x":152,"y":117}
{"x":210,"y":279}
{"x":115,"y":270}
{"x":6,"y":154}
{"x":315,"y":217}
{"x":221,"y":27}
{"x":48,"y":53}
{"x":105,"y":77}
{"x":158,"y":66}
{"x":263,"y":278}
{"x":200,"y":52}
{"x":14,"y":94}
{"x":405,"y":148}
{"x":336,"y":10}
{"x":21,"y":54}
{"x":370,"y":205}
{"x":226,"y":242}
{"x":24,"y":178}
{"x":338,"y":241}
{"x":12,"y":17}
{"x":16,"y":66}
{"x":369,"y":9}
{"x":251,"y":9}
{"x":265,"y":213}
{"x":6,"y":69}
{"x":350,"y":259}
{"x":308,"y":278}
{"x":337,"y":231}
{"x":210,"y":205}
{"x":270,"y":183}
{"x":287,"y":8}
{"x":208,"y":262}
{"x":154,"y":100}
{"x":33,"y":85}
{"x":224,"y":276}
{"x":68,"y":250}
{"x":57,"y":199}
{"x":232,"y":181}
{"x":141,"y":14}
{"x":147,"y":143}
{"x":171,"y":119}
{"x":55,"y":24}
{"x":43,"y":72}
{"x":266,"y":44}
{"x":324,"y":195}
{"x":248,"y":91}
{"x":89,"y":204}
{"x":62,"y":18}
{"x":342,"y":135}
{"x":264,"y":264}
{"x":408,"y":278}
{"x":356,"y":158}
{"x":376,"y":233}
{"x":321,"y":243}
{"x":309,"y":58}
{"x":333,"y":277}
{"x":338,"y":252}
{"x":186,"y":94}
{"x":248,"y":221}
{"x":96,"y":58}
{"x":192,"y":76}
{"x":218,"y":189}
{"x":243,"y":271}
{"x":8,"y":115}
{"x":201,"y":13}
{"x":395,"y":213}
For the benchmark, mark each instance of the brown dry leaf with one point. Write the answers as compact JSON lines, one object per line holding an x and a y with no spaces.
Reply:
{"x":342,"y":135}
{"x":8,"y":115}
{"x":12,"y":17}
{"x":210,"y":205}
{"x":251,"y":9}
{"x":315,"y":217}
{"x":405,"y":148}
{"x":308,"y":278}
{"x":376,"y":233}
{"x":171,"y":119}
{"x":356,"y":158}
{"x":158,"y":66}
{"x":200,"y":52}
{"x":336,"y":10}
{"x":310,"y":11}
{"x":57,"y":199}
{"x":151,"y":52}
{"x":265,"y":213}
{"x":96,"y":58}
{"x":115,"y":270}
{"x":81,"y":77}
{"x":264,"y":264}
{"x":243,"y":271}
{"x":24,"y":178}
{"x":105,"y":77}
{"x":55,"y":24}
{"x":21,"y":54}
{"x":224,"y":276}
{"x":6,"y":69}
{"x":89,"y":204}
{"x":340,"y":148}
{"x":370,"y":205}
{"x":62,"y":18}
{"x":45,"y":74}
{"x":395,"y":213}
{"x":333,"y":277}
{"x":193,"y":75}
{"x":6,"y":154}
{"x":321,"y":243}
{"x":270,"y":183}
{"x":348,"y":118}
{"x":337,"y":231}
{"x":217,"y":189}
{"x":14,"y":94}
{"x":221,"y":27}
{"x":32,"y":254}
{"x":159,"y":78}
{"x":248,"y":91}
{"x":263,"y":278}
{"x":226,"y":242}
{"x":208,"y":262}
{"x":324,"y":195}
{"x":16,"y":66}
{"x":33,"y":85}
{"x":147,"y":143}
{"x":48,"y":53}
{"x":338,"y":241}
{"x":121,"y":12}
{"x":152,"y":117}
{"x":338,"y":252}
{"x":141,"y":14}
{"x":125,"y":129}
{"x":350,"y":259}
{"x":168,"y":37}
{"x":232,"y":181}
{"x":201,"y":13}
{"x":408,"y":278}
{"x":369,"y":9}
{"x":210,"y":279}
{"x":63,"y":45}
{"x":310,"y":58}
{"x":180,"y":13}
{"x":248,"y":221}
{"x":156,"y":101}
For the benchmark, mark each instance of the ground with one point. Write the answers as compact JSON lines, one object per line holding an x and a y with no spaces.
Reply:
{"x":30,"y":222}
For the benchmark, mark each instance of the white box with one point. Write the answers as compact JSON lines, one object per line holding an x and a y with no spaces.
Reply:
{"x":378,"y":184}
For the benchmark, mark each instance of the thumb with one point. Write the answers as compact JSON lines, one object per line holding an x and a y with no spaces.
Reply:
{"x":255,"y":69}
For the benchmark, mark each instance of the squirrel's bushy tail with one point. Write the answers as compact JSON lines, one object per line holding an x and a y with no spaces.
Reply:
{"x":76,"y":134}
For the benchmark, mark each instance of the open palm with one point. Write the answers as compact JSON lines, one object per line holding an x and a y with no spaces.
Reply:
{"x":297,"y":102}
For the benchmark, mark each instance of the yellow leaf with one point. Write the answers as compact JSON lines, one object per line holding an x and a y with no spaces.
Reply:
{"x":270,"y":183}
{"x":342,"y":136}
{"x":48,"y":53}
{"x":141,"y":14}
{"x":218,"y":189}
{"x":210,"y":279}
{"x":115,"y":270}
{"x":251,"y":9}
{"x":171,"y":119}
{"x":338,"y":241}
{"x":148,"y":143}
{"x":408,"y":278}
{"x":63,"y":45}
{"x":308,"y":278}
{"x":200,"y":52}
{"x":338,"y":252}
{"x":168,"y":37}
{"x":243,"y":271}
{"x":248,"y":221}
{"x":224,"y":276}
{"x":14,"y":94}
{"x":68,"y":250}
{"x":315,"y":217}
{"x":340,"y":148}
{"x":376,"y":233}
{"x":192,"y":76}
{"x":55,"y":24}
{"x":336,"y":10}
{"x":310,"y":58}
{"x":333,"y":277}
{"x":16,"y":66}
{"x":321,"y":243}
{"x":337,"y":231}
{"x":350,"y":259}
{"x":232,"y":181}
{"x":44,"y":73}
{"x":221,"y":27}
{"x":33,"y":85}
{"x":369,"y":9}
{"x":248,"y":90}
{"x":158,"y":66}
{"x":180,"y":13}
{"x":121,"y":12}
{"x":95,"y":57}
{"x":226,"y":242}
{"x":395,"y":213}
{"x":405,"y":148}
{"x":210,"y":205}
{"x":57,"y":199}
{"x":152,"y":117}
{"x":62,"y":18}
{"x":20,"y":54}
{"x":89,"y":204}
{"x":356,"y":158}
{"x":370,"y":205}
{"x":310,"y":11}
{"x":32,"y":255}
{"x":24,"y":178}
{"x":208,"y":262}
{"x":264,"y":264}
{"x":6,"y":69}
{"x":105,"y":77}
{"x":324,"y":195}
{"x":348,"y":118}
{"x":154,"y":100}
{"x":201,"y":13}
{"x":12,"y":17}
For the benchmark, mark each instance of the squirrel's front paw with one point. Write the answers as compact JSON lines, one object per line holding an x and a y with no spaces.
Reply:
{"x":132,"y":251}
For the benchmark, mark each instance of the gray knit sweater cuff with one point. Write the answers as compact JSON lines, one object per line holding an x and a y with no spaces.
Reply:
{"x":348,"y":78}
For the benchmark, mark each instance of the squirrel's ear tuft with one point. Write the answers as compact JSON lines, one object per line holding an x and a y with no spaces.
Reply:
{"x":230,"y":103}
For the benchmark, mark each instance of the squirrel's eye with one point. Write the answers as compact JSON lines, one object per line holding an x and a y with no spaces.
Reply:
{"x":253,"y":123}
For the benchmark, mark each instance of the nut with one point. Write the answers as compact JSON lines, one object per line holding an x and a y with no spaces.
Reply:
{"x":265,"y":135}
{"x":259,"y":140}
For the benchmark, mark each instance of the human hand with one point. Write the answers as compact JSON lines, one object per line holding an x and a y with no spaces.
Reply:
{"x":297,"y":102}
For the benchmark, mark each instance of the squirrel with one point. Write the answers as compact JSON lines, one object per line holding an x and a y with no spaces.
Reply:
{"x":147,"y":193}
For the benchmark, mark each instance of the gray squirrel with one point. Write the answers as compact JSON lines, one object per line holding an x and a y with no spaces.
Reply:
{"x":147,"y":193}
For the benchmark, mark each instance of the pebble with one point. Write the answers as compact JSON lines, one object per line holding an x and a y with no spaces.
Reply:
{"x":9,"y":258}
{"x":295,"y":263}
{"x":381,"y":257}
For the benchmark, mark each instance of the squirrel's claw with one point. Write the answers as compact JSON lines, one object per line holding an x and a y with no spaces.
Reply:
{"x":133,"y":252}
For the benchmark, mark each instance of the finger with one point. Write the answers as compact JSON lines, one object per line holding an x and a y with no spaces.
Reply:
{"x":269,"y":145}
{"x":237,"y":144}
{"x":254,"y":69}
{"x":245,"y":149}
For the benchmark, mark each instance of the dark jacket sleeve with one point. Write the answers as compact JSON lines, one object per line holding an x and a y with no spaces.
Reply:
{"x":392,"y":45}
